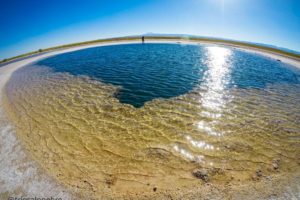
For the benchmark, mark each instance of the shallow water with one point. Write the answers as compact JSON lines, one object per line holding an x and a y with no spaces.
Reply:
{"x":99,"y":123}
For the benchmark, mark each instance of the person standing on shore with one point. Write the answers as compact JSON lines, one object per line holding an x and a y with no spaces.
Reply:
{"x":143,"y":39}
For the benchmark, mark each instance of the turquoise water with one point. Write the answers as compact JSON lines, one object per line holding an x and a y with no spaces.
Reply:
{"x":148,"y":71}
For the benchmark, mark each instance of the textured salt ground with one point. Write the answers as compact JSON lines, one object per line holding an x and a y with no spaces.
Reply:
{"x":19,"y":175}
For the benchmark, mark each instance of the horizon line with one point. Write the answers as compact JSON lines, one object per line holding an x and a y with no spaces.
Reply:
{"x":270,"y":47}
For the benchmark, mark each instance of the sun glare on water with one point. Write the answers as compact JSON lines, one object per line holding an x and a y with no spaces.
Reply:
{"x":215,"y":80}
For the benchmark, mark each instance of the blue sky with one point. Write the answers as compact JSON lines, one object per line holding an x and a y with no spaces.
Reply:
{"x":33,"y":24}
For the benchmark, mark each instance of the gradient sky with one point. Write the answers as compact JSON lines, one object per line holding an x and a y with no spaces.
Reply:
{"x":32,"y":24}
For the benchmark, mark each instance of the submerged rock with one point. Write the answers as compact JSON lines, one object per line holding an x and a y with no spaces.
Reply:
{"x":259,"y":173}
{"x":276,"y":164}
{"x":110,"y":180}
{"x":201,"y":174}
{"x":154,"y":189}
{"x":158,"y":153}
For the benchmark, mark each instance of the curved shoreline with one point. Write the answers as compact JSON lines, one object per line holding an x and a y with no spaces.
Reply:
{"x":10,"y":143}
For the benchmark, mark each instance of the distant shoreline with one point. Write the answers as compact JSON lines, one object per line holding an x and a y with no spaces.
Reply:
{"x":278,"y":54}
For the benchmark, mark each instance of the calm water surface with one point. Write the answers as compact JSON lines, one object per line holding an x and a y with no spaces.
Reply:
{"x":146,"y":72}
{"x":130,"y":117}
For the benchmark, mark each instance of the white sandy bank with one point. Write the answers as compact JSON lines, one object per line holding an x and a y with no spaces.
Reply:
{"x":21,"y":176}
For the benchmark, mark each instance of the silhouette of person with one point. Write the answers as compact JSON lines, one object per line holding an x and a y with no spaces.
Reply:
{"x":143,"y":39}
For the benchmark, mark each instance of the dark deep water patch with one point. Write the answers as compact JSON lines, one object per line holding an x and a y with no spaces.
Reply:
{"x":150,"y":71}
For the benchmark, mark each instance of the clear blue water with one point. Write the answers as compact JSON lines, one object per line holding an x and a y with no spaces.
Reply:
{"x":149,"y":71}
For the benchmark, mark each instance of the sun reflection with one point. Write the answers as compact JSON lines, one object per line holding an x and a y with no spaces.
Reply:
{"x":188,"y":155}
{"x":212,"y":99}
{"x":199,"y":144}
{"x":207,"y":128}
{"x":216,"y":78}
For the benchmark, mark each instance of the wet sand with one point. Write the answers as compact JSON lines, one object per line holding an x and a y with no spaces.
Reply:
{"x":264,"y":187}
{"x":20,"y":175}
